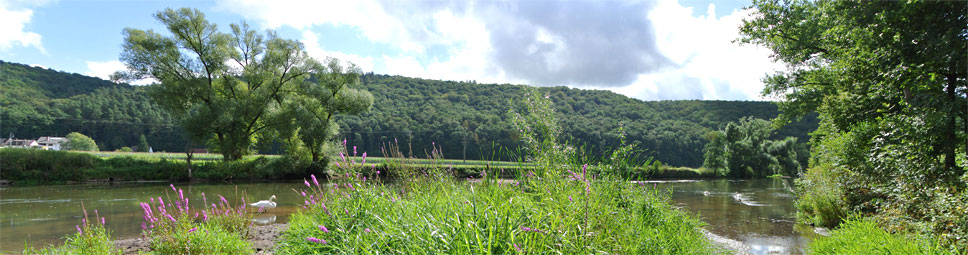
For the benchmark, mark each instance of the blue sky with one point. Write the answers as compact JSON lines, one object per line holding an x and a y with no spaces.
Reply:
{"x":651,"y":50}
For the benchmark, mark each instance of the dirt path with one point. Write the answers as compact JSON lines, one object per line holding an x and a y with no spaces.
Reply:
{"x":262,"y":237}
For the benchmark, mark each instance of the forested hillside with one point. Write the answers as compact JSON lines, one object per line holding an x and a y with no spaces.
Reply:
{"x":41,"y":102}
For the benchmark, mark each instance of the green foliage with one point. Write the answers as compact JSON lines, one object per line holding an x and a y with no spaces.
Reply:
{"x":310,"y":113}
{"x":885,"y":78}
{"x":125,"y":149}
{"x":527,"y":215}
{"x":863,"y":236}
{"x":212,"y":99}
{"x":91,"y":239}
{"x":142,"y":144}
{"x":39,"y":166}
{"x":80,"y":142}
{"x":537,"y":127}
{"x":743,"y":149}
{"x":417,"y":112}
{"x":44,"y":166}
{"x":175,"y":227}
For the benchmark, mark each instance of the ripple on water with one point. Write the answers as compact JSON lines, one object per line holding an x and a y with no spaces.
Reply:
{"x":31,"y":201}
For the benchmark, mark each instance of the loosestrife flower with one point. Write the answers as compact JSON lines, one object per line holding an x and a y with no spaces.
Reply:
{"x":306,"y":182}
{"x":79,"y":229}
{"x":192,"y":230}
{"x":323,"y":228}
{"x":314,"y":179}
{"x":527,"y":229}
{"x":367,"y":230}
{"x":172,"y":187}
{"x":316,"y":240}
{"x":517,"y":248}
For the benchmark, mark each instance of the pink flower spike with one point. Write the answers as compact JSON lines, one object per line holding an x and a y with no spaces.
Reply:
{"x":314,"y":179}
{"x":306,"y":182}
{"x":517,"y":248}
{"x":303,"y":193}
{"x":102,"y":220}
{"x":316,"y":240}
{"x":354,"y":150}
{"x":79,"y":229}
{"x":367,"y":230}
{"x":323,"y":228}
{"x":192,"y":230}
{"x":172,"y":187}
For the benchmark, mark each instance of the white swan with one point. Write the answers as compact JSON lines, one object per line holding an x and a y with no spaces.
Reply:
{"x":265,"y":204}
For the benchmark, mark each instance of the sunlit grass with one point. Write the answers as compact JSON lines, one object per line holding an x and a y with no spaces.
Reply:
{"x":529,"y":215}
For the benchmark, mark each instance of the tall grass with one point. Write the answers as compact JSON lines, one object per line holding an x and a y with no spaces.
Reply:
{"x":860,"y":236}
{"x":91,"y":238}
{"x":172,"y":226}
{"x":430,"y":215}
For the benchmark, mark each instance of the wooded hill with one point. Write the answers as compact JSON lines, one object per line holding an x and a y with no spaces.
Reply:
{"x":414,"y":112}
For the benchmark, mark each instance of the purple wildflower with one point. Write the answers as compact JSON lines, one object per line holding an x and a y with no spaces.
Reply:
{"x":192,"y":230}
{"x":517,"y":248}
{"x":314,"y":179}
{"x":316,"y":240}
{"x":571,"y":200}
{"x":170,"y":218}
{"x":102,"y":220}
{"x":79,"y":229}
{"x":354,"y":150}
{"x":323,"y":228}
{"x":367,"y":230}
{"x":303,"y":193}
{"x":364,"y":159}
{"x":172,"y":187}
{"x":306,"y":182}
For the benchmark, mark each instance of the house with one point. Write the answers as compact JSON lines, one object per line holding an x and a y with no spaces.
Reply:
{"x":19,"y":143}
{"x":51,"y":142}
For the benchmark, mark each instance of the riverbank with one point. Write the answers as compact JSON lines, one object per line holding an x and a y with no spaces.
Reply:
{"x":262,"y":237}
{"x":33,"y":167}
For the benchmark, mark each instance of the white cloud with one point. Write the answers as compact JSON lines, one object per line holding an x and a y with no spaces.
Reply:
{"x":708,"y":64}
{"x":645,"y":50}
{"x":104,"y":70}
{"x":12,"y":23}
{"x":315,"y":50}
{"x":367,"y":15}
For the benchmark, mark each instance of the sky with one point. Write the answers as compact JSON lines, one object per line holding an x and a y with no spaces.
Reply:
{"x":650,"y":50}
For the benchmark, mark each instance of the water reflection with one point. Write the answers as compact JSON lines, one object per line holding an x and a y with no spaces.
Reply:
{"x":758,"y":213}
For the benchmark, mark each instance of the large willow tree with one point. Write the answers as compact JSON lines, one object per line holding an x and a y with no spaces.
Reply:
{"x":228,"y":89}
{"x":888,"y":79}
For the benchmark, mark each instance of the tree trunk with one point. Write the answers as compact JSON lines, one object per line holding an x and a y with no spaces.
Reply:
{"x":188,"y":159}
{"x":950,"y":135}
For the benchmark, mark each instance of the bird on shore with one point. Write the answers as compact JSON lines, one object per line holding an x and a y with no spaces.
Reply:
{"x":265,"y":204}
{"x":705,"y":193}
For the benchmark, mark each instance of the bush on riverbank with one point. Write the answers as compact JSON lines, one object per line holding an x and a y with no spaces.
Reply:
{"x":46,"y":167}
{"x":862,"y":236}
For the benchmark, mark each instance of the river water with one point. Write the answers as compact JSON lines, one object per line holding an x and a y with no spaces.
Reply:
{"x":757,"y":213}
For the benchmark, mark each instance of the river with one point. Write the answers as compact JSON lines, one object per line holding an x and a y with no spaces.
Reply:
{"x":757,"y":213}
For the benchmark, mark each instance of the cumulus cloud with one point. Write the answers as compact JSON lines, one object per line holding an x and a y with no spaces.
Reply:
{"x":647,"y":50}
{"x":708,"y":64}
{"x":13,"y":20}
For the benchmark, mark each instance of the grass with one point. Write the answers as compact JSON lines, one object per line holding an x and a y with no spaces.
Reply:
{"x":91,"y":239}
{"x":431,"y":215}
{"x":861,"y":236}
